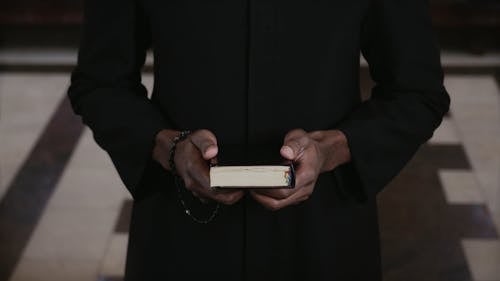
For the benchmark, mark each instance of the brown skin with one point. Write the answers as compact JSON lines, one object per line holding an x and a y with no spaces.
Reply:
{"x":313,"y":153}
{"x":191,"y":157}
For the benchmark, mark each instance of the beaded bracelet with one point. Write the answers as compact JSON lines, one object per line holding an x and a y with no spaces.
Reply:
{"x":178,"y":180}
{"x":182,"y":136}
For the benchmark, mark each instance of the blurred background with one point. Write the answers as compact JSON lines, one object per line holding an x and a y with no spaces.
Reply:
{"x":64,"y":213}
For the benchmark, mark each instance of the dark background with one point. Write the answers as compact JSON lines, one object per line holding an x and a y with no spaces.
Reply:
{"x":462,"y":24}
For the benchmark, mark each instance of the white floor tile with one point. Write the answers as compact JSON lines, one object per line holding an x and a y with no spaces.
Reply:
{"x":47,"y":269}
{"x":113,"y":263}
{"x":472,"y":60}
{"x":483,"y":258}
{"x":446,"y":133}
{"x":461,"y":187}
{"x":81,"y":214}
{"x":475,"y":108}
{"x":27,"y":101}
{"x":71,"y":233}
{"x":90,"y":188}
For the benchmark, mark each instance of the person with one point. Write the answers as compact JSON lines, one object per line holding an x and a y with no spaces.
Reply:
{"x":245,"y":80}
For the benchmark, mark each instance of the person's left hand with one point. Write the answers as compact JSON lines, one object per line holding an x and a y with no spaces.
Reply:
{"x":312,"y":153}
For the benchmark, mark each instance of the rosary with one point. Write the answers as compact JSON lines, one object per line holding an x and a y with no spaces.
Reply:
{"x":179,"y":183}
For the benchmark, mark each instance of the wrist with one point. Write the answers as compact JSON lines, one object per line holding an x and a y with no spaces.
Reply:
{"x":163,"y":143}
{"x":171,"y":163}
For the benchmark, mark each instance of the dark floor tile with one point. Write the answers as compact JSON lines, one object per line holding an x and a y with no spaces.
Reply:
{"x":26,"y":197}
{"x":110,"y":278}
{"x":123,"y":222}
{"x":420,"y":232}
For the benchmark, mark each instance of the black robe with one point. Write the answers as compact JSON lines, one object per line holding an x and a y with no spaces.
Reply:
{"x":251,"y":70}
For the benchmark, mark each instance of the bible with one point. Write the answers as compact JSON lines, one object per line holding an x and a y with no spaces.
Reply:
{"x":253,"y":176}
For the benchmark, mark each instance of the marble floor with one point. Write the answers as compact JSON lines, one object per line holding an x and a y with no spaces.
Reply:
{"x":439,"y":219}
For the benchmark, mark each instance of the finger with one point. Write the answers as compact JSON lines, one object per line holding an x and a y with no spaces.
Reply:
{"x":286,"y":151}
{"x":206,"y":142}
{"x":266,"y":201}
{"x":304,"y":175}
{"x":214,"y":161}
{"x":293,"y":148}
{"x":276,"y":193}
{"x":198,"y":177}
{"x":225,"y":190}
{"x":225,"y":197}
{"x":196,"y":189}
{"x":276,"y":204}
{"x":300,"y":200}
{"x":201,"y":198}
{"x":194,"y":171}
{"x":270,"y":203}
{"x":199,"y":172}
{"x":228,"y":198}
{"x":188,"y":183}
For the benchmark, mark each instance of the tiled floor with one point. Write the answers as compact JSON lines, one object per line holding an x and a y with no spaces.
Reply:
{"x":26,"y":103}
{"x":447,"y":199}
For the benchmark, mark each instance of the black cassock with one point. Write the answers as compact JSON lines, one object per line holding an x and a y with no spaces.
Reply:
{"x":250,"y":71}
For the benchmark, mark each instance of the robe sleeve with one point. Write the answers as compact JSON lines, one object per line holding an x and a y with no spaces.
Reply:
{"x":408,"y":100}
{"x":106,"y":89}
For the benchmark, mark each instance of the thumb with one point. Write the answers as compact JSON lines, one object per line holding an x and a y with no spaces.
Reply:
{"x":294,"y":144}
{"x":206,"y":143}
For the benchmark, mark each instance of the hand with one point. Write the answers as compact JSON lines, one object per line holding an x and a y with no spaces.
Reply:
{"x":312,"y":154}
{"x":191,"y":161}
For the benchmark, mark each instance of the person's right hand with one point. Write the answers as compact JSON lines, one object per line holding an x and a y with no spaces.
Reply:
{"x":192,"y":156}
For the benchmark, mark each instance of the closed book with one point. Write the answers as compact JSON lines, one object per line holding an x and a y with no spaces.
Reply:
{"x":253,"y":176}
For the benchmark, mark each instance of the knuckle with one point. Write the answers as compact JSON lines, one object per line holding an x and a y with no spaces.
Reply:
{"x":294,"y":133}
{"x":316,"y":134}
{"x":182,"y":147}
{"x":229,"y":201}
{"x":300,"y":199}
{"x":304,"y":139}
{"x":202,"y":131}
{"x":233,"y":198}
{"x":297,"y":131}
{"x":290,"y":133}
{"x":296,"y":143}
{"x":188,"y":183}
{"x":274,"y":205}
{"x":224,"y":199}
{"x":206,"y":134}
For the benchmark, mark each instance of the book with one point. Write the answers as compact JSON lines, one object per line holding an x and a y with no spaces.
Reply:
{"x":253,"y":176}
